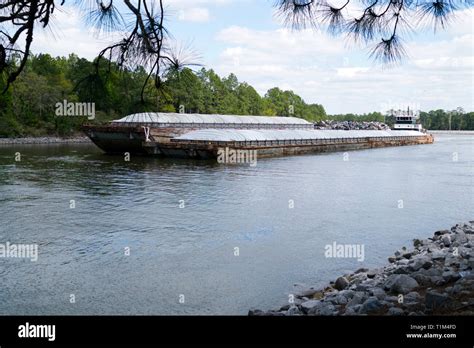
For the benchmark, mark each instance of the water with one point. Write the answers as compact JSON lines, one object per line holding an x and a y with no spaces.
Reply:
{"x":190,"y":251}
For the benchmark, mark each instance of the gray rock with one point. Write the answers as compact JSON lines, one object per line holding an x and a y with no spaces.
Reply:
{"x":402,"y":262}
{"x":438,"y":255}
{"x":468,"y":229}
{"x":378,"y":293}
{"x":347,"y":293}
{"x":332,"y":299}
{"x":422,"y":279}
{"x":430,"y":272}
{"x":341,"y":283}
{"x":371,"y":274}
{"x":358,"y":298}
{"x":450,"y":276}
{"x":438,"y":281}
{"x":460,"y":237}
{"x":395,"y":311}
{"x":456,"y":289}
{"x":322,"y":308}
{"x":417,"y":243}
{"x":361,"y":270}
{"x":308,"y":305}
{"x":411,"y":297}
{"x":400,"y":283}
{"x":422,"y":262}
{"x":440,"y":233}
{"x":350,"y":311}
{"x":293,"y":310}
{"x":353,"y":310}
{"x":340,"y":299}
{"x":329,"y":309}
{"x":391,"y":298}
{"x":426,"y":280}
{"x":371,"y":306}
{"x":363,"y":287}
{"x":256,"y":312}
{"x":331,"y":293}
{"x":306,"y":292}
{"x":435,"y":299}
{"x":446,"y":240}
{"x":427,"y":264}
{"x":401,"y":270}
{"x":407,"y":255}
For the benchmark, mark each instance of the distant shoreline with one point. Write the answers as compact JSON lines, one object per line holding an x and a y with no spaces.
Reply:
{"x":45,"y":140}
{"x":452,"y":132}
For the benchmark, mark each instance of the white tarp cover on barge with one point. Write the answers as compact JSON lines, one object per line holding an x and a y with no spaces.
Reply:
{"x":163,"y":118}
{"x":293,"y":134}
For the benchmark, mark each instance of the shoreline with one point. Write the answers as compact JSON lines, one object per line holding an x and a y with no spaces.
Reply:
{"x":45,"y":140}
{"x":452,"y":132}
{"x":435,"y":277}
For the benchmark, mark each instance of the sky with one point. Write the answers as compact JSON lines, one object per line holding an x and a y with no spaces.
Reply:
{"x":246,"y":38}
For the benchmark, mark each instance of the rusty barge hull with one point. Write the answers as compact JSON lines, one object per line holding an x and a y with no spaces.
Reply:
{"x":130,"y":139}
{"x":209,"y":150}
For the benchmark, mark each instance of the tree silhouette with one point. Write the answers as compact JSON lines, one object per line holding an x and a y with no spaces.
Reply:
{"x":383,"y":22}
{"x":147,"y":42}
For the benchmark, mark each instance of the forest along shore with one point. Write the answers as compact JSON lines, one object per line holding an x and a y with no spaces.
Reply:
{"x":436,"y":277}
{"x":45,"y":140}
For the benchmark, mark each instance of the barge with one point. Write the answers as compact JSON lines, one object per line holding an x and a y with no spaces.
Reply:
{"x":204,"y":136}
{"x":128,"y":134}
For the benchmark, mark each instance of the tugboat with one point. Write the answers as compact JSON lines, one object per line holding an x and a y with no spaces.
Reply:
{"x":407,"y":120}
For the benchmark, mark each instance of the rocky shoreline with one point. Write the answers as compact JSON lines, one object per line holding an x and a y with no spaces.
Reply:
{"x":45,"y":140}
{"x":435,"y":277}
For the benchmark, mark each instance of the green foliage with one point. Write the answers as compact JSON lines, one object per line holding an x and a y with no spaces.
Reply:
{"x":28,"y":107}
{"x":432,"y":120}
{"x":453,"y":120}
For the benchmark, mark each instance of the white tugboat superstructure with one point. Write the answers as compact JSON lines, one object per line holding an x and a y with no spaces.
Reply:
{"x":407,"y":120}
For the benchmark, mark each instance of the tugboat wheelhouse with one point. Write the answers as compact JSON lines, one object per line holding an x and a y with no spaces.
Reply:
{"x":407,"y":120}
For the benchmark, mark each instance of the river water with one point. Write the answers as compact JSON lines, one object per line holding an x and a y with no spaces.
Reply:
{"x":154,"y":236}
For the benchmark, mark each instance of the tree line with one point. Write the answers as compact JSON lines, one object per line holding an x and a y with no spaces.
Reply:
{"x":433,"y":120}
{"x":28,"y":106}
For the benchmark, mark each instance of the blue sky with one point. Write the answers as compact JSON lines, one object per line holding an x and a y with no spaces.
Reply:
{"x":221,"y":16}
{"x":244,"y":37}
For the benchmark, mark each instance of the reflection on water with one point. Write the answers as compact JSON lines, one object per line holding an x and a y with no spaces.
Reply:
{"x":183,"y":220}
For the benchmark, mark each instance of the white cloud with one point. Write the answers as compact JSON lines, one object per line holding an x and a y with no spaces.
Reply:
{"x":198,"y":11}
{"x":196,"y":14}
{"x":67,"y":35}
{"x":438,"y":74}
{"x":351,"y":72}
